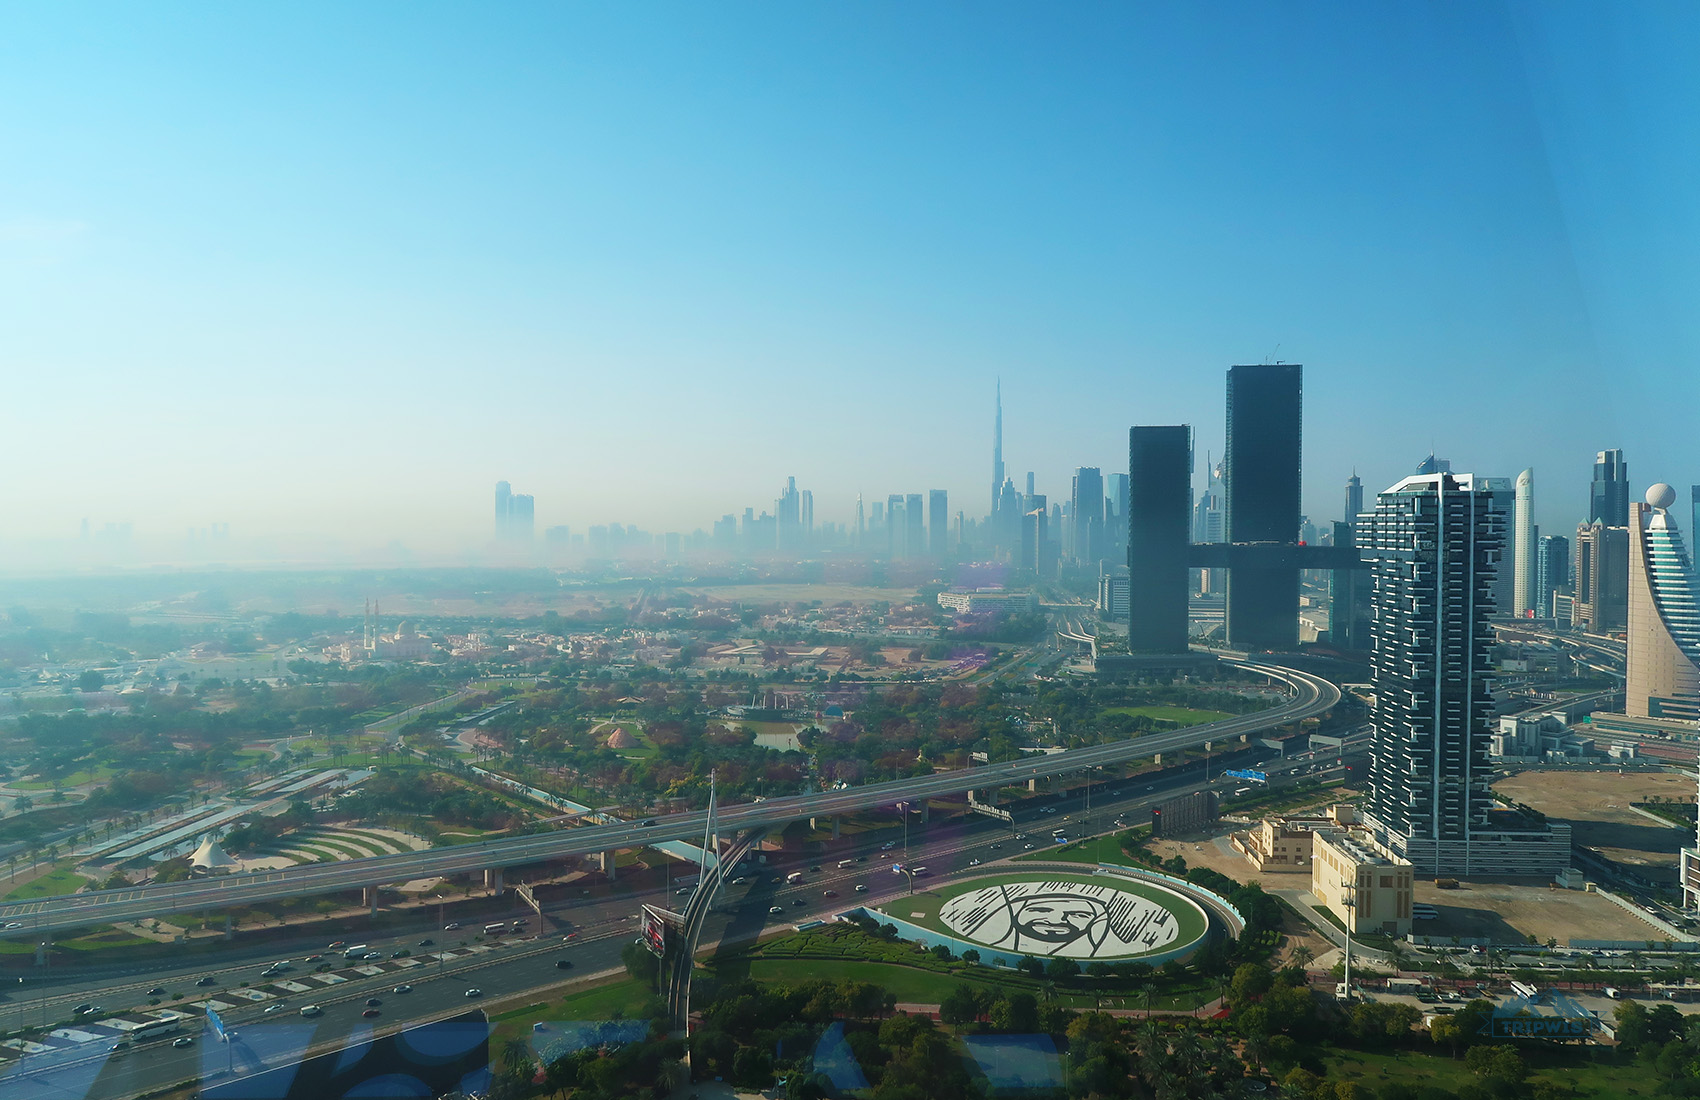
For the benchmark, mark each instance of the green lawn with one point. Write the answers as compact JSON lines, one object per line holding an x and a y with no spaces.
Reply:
{"x":1185,"y":716}
{"x":1567,"y":1066}
{"x":60,"y":880}
{"x":916,"y":986}
{"x":77,"y":778}
{"x":599,"y":1001}
{"x":1096,"y":850}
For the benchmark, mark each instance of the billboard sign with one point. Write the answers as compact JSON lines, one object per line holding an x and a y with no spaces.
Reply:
{"x":654,"y":932}
{"x":215,"y":1021}
{"x":1248,"y":773}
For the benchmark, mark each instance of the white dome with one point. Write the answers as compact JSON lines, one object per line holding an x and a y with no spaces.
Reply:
{"x":1661,"y":496}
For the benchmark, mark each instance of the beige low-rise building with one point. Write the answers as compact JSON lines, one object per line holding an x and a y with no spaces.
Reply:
{"x":1282,"y":845}
{"x":1369,"y":889}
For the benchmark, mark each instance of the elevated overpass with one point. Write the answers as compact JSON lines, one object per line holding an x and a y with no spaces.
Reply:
{"x":38,"y":918}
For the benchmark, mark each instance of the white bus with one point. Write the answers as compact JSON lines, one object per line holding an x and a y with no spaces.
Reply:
{"x":156,"y":1029}
{"x":356,"y":951}
{"x":495,"y":929}
{"x":794,"y":877}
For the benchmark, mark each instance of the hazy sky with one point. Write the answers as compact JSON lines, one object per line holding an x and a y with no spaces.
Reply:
{"x":332,"y":267}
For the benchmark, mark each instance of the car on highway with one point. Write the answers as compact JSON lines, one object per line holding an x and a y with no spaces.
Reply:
{"x":371,"y":1012}
{"x":84,"y":1009}
{"x":372,"y":955}
{"x":157,"y":991}
{"x":1029,"y":844}
{"x":1152,"y":787}
{"x":774,"y":909}
{"x":473,"y":992}
{"x":273,"y":1010}
{"x":402,"y":989}
{"x":739,"y":881}
{"x":121,"y":1046}
{"x":336,"y":944}
{"x":312,"y":958}
{"x":373,"y":1002}
{"x":681,"y":891}
{"x":400,"y":953}
{"x":1021,"y":836}
{"x":828,"y":893}
{"x":451,"y":926}
{"x":995,"y":847}
{"x":861,"y":889}
{"x":183,"y":1041}
{"x":796,"y":901}
{"x":208,"y":980}
{"x":816,"y":867}
{"x":973,"y":863}
{"x":311,"y":1010}
{"x":14,"y":924}
{"x":427,"y":942}
{"x":888,"y":845}
{"x":563,"y":964}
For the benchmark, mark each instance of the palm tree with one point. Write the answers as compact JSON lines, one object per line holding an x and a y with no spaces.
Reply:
{"x":516,"y":1055}
{"x":1257,"y":1049}
{"x":1303,"y":956}
{"x":1150,"y":992}
{"x":1397,"y":955}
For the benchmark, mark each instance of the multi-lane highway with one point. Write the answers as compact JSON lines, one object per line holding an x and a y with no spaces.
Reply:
{"x":1311,"y":696}
{"x":759,"y":900}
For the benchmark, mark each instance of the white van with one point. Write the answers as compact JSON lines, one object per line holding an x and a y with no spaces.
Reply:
{"x":843,"y":863}
{"x":311,"y":1010}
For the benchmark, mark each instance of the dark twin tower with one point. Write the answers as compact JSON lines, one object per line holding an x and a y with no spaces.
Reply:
{"x":1260,"y":552}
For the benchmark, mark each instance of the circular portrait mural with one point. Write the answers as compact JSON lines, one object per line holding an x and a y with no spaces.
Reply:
{"x":1075,"y":920}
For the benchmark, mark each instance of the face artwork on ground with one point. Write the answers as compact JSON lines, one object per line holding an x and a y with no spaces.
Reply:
{"x":1076,"y":920}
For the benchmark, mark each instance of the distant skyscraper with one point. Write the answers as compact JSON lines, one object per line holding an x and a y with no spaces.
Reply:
{"x":1601,"y":579}
{"x":1523,"y":547}
{"x":1433,"y":465}
{"x":997,"y":457}
{"x":1433,"y":542}
{"x":896,"y":527}
{"x":1354,"y":498}
{"x":1159,"y":467}
{"x":788,"y":512}
{"x":915,"y":543}
{"x":861,"y":523}
{"x":504,"y":508}
{"x":1208,"y":513}
{"x":806,"y":518}
{"x":1502,"y":496}
{"x":1608,"y":496}
{"x":522,"y":518}
{"x":1552,"y":572}
{"x":1034,"y":536}
{"x":1693,"y":517}
{"x":1261,"y":478}
{"x":1086,"y":513}
{"x":1663,"y":675}
{"x":938,"y":523}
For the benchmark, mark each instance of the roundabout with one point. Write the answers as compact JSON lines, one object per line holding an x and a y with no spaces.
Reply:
{"x":1050,"y":914}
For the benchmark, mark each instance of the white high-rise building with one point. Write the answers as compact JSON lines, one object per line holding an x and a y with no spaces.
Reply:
{"x":1524,"y":543}
{"x":1433,"y":543}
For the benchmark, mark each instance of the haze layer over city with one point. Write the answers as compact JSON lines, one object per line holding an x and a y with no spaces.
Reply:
{"x":885,"y":552}
{"x":327,"y":289}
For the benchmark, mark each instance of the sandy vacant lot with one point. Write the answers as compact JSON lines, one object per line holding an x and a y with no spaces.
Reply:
{"x":1507,"y":911}
{"x":1511,"y":911}
{"x":1597,"y":806}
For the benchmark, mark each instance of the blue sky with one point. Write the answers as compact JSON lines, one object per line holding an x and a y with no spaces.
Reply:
{"x":314,"y":268}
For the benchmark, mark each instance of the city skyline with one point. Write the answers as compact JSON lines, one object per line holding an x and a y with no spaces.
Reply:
{"x":646,"y":267}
